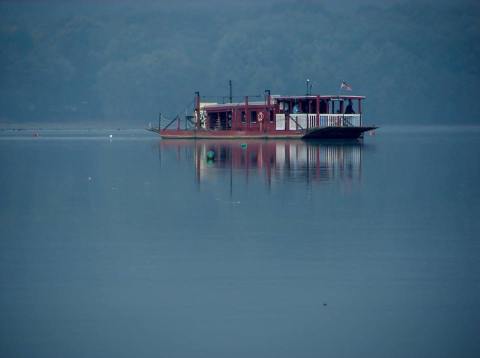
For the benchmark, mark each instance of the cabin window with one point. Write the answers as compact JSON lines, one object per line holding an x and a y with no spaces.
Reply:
{"x":222,"y":120}
{"x":244,"y":117}
{"x":284,"y":106}
{"x":271,"y":117}
{"x":253,"y":117}
{"x":311,"y":106}
{"x":323,"y":106}
{"x":213,"y":120}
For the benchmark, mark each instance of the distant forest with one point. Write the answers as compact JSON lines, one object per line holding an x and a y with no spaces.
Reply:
{"x":122,"y":62}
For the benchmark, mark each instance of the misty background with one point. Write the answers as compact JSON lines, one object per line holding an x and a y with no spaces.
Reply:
{"x":119,"y":63}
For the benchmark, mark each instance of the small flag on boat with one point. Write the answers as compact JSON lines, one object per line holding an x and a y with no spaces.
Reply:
{"x":345,"y":86}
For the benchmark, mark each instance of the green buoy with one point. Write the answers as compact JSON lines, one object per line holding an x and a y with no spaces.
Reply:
{"x":210,"y":155}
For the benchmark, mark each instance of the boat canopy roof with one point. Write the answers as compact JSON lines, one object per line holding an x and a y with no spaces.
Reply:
{"x":240,"y":104}
{"x":331,"y":97}
{"x":280,"y":98}
{"x":212,"y":106}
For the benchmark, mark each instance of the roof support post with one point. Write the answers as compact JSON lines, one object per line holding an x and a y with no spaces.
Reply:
{"x":266,"y":118}
{"x":197,"y":109}
{"x":234,"y":119}
{"x":360,"y":110}
{"x":318,"y":111}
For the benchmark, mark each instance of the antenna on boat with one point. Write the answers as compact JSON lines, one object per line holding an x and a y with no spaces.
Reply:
{"x":309,"y":87}
{"x":230,"y":87}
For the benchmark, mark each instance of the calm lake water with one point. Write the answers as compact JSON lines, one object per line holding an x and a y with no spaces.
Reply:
{"x":138,"y":247}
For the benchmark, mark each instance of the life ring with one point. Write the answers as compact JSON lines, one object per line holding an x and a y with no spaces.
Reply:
{"x":260,"y":116}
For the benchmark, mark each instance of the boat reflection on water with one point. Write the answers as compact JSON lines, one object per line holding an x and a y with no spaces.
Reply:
{"x":291,"y":160}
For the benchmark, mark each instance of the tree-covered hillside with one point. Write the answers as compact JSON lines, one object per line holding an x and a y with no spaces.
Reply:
{"x":122,"y":62}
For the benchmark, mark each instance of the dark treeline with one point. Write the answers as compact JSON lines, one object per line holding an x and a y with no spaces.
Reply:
{"x":111,"y":62}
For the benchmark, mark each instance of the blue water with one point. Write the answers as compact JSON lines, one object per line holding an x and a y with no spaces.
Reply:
{"x":137,"y":247}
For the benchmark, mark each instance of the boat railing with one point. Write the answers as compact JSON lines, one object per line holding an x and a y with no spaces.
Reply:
{"x":340,"y":120}
{"x":298,"y":121}
{"x":309,"y":120}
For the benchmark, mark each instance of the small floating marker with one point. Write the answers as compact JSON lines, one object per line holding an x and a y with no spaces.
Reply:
{"x":243,"y":145}
{"x":210,"y":155}
{"x":89,"y":178}
{"x":110,"y":136}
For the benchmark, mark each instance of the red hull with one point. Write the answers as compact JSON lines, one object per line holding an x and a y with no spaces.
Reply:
{"x":317,"y":133}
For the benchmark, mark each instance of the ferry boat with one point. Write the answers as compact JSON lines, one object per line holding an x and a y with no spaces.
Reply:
{"x":276,"y":117}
